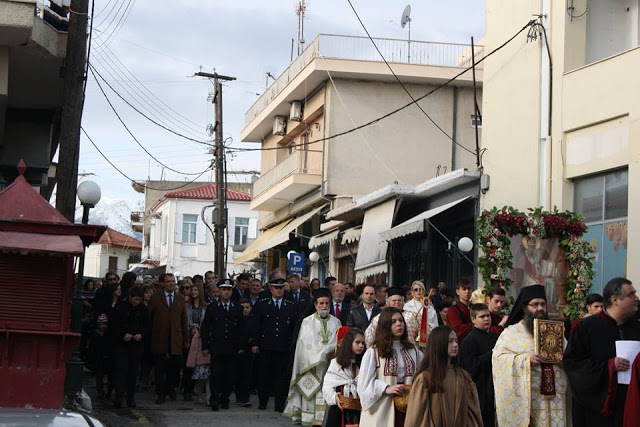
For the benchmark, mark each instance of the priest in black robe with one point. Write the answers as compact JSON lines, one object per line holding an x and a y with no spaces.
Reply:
{"x":475,"y":355}
{"x":590,"y":358}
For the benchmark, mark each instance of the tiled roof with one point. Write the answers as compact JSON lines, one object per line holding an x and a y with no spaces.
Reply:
{"x":115,"y":239}
{"x":204,"y":192}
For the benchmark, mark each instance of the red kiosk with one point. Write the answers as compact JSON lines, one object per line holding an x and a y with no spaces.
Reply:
{"x":38,"y":247}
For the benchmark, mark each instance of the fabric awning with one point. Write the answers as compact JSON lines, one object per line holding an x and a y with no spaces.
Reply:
{"x":36,"y":243}
{"x":352,"y":235}
{"x":253,"y":251}
{"x":418,"y":223}
{"x":372,"y":252}
{"x":323,"y":239}
{"x":283,"y":235}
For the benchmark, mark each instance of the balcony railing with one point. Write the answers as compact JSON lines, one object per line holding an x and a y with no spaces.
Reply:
{"x":301,"y":161}
{"x":361,"y":49}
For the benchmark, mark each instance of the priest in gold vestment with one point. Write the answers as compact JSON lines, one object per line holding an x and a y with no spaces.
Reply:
{"x":528,"y":392}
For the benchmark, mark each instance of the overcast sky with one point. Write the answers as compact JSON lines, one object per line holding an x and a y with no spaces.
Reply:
{"x":162,"y":46}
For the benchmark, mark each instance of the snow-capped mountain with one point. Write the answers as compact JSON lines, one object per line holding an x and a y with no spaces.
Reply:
{"x":115,"y":214}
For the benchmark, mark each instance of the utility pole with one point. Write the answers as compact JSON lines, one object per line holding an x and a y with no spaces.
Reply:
{"x":221,"y":191}
{"x":74,"y":77}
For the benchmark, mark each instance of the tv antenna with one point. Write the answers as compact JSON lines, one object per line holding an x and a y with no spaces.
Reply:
{"x":301,"y":11}
{"x":406,"y":19}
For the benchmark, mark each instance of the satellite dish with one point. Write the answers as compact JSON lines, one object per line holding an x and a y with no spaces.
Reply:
{"x":406,"y":16}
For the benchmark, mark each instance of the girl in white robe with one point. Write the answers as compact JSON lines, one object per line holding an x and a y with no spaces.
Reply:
{"x":387,"y":371}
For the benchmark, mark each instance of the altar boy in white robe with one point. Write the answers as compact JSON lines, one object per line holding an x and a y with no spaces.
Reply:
{"x":386,"y":371}
{"x":317,"y":337}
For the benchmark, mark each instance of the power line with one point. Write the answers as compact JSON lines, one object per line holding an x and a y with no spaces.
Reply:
{"x":146,"y":116}
{"x":131,"y":133}
{"x":141,"y":97}
{"x":119,"y":25}
{"x":403,"y":86}
{"x":133,"y":180}
{"x":393,"y":112}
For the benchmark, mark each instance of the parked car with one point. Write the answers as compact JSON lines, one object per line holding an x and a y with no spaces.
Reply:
{"x":44,"y":417}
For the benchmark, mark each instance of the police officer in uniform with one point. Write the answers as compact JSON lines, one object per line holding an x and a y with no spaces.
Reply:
{"x":222,"y":331}
{"x":273,"y":320}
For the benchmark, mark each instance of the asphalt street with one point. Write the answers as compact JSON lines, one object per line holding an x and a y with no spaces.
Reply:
{"x":179,"y":412}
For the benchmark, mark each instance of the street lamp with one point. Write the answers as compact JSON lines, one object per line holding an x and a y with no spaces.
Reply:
{"x":89,"y":195}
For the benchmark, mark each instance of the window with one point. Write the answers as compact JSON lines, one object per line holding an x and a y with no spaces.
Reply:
{"x":189,"y":223}
{"x":603,"y":201}
{"x":241,"y":231}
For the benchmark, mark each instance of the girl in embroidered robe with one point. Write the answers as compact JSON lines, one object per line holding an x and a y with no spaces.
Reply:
{"x":341,"y":379}
{"x":387,"y":370}
{"x":443,"y":394}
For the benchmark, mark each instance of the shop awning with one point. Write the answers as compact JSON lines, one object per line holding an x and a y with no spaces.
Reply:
{"x":253,"y":251}
{"x":352,"y":235}
{"x":283,"y":235}
{"x":418,"y":223}
{"x":35,"y":243}
{"x":323,"y":239}
{"x":372,"y":252}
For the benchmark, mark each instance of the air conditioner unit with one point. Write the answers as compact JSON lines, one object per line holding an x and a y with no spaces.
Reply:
{"x":296,"y":111}
{"x":279,"y":125}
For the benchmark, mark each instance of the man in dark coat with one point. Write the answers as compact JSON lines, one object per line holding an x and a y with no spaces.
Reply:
{"x":131,"y":329}
{"x":273,"y":320}
{"x":337,"y":306}
{"x":169,"y":336}
{"x":300,"y":296}
{"x":590,"y":357}
{"x":475,"y":354}
{"x":360,"y":316}
{"x":222,"y":331}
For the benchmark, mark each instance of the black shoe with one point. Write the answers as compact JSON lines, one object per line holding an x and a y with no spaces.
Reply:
{"x":214,"y":406}
{"x":117,"y":403}
{"x":161,"y":399}
{"x":188,"y":397}
{"x":131,"y":403}
{"x":262,"y":407}
{"x":279,"y":409}
{"x":172,"y":394}
{"x":224,"y":405}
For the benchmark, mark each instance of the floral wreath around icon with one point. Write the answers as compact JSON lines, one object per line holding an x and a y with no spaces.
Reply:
{"x":495,"y":227}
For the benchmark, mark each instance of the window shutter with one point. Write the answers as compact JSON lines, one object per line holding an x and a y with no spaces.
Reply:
{"x":231,"y":232}
{"x":177,"y":232}
{"x":201,"y":232}
{"x":253,"y":228}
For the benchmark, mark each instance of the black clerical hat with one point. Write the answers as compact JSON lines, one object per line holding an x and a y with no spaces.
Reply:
{"x":395,"y":290}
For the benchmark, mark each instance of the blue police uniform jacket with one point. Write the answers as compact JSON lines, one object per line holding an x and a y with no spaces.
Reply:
{"x":272,"y":327}
{"x":222,"y":330}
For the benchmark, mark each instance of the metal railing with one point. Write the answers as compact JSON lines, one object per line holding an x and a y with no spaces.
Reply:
{"x":301,"y":161}
{"x":361,"y":49}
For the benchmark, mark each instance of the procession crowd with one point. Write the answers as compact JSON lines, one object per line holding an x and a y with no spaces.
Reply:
{"x":335,"y":354}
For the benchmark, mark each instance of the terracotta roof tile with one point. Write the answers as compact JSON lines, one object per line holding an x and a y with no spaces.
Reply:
{"x":116,"y":239}
{"x":204,"y":192}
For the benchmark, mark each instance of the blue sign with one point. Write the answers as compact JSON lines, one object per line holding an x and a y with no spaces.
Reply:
{"x":296,"y":263}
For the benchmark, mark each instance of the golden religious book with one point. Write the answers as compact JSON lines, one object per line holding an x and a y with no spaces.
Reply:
{"x":548,"y":336}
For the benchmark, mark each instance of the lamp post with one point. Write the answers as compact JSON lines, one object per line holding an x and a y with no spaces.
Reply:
{"x":89,"y":195}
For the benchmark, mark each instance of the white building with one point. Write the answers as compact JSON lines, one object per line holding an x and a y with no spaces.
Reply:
{"x":179,"y":240}
{"x":110,"y":254}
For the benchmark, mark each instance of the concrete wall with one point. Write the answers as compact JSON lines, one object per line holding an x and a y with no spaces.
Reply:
{"x":96,"y":261}
{"x":595,"y":113}
{"x":405,"y":148}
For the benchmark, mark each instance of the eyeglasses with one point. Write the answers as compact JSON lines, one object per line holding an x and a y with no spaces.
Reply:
{"x":538,"y":304}
{"x":417,"y":289}
{"x":186,"y":288}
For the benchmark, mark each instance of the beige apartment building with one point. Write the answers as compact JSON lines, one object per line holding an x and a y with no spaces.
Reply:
{"x":568,"y":136}
{"x":313,"y":161}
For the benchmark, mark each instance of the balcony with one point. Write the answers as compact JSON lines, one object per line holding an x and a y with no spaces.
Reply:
{"x":354,"y":48}
{"x":137,"y":221}
{"x":292,"y":178}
